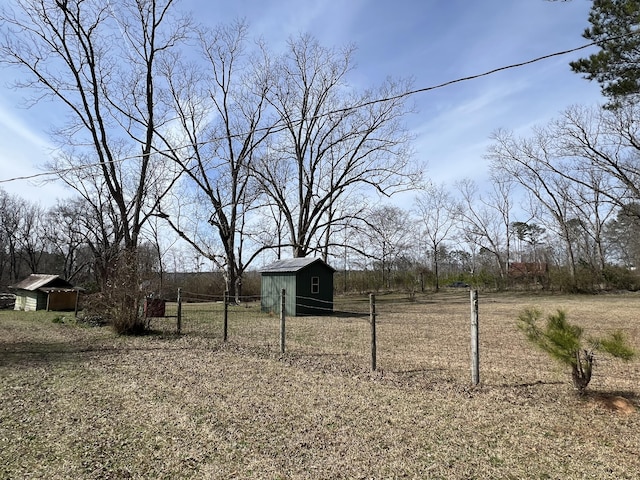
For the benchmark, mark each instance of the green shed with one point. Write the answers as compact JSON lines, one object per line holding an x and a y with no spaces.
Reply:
{"x":308,"y":285}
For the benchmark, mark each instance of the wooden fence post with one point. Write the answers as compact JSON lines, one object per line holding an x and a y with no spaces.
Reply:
{"x":372,"y":320}
{"x":282,"y":320}
{"x":475,"y":351}
{"x":226,"y":316}
{"x":77,"y":300}
{"x":179,"y":315}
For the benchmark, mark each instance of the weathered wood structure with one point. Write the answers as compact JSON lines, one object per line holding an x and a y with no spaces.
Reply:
{"x":45,"y":292}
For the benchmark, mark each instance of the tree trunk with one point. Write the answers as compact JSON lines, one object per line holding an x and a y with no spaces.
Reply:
{"x":123,"y":295}
{"x":581,"y":369}
{"x":299,"y":251}
{"x":233,"y":283}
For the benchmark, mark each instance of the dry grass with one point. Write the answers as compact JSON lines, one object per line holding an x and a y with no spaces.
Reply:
{"x":79,"y":402}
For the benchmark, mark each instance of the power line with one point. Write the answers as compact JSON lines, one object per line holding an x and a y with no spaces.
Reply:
{"x":479,"y":75}
{"x":345,"y":109}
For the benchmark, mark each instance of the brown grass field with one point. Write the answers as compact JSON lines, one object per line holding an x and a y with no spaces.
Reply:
{"x":79,"y":402}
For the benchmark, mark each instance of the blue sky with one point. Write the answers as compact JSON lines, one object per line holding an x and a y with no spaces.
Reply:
{"x":431,"y":41}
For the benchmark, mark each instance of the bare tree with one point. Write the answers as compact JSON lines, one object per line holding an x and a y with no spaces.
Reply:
{"x":482,"y":223}
{"x":331,"y":141}
{"x":577,"y":169}
{"x":527,"y":162}
{"x":31,"y":238}
{"x":99,"y":60}
{"x":599,"y":150}
{"x":622,"y":236}
{"x":11,"y":207}
{"x":593,"y":211}
{"x":64,"y":231}
{"x":220,"y":116}
{"x":595,"y":150}
{"x":160,"y":241}
{"x":385,"y":239}
{"x":436,"y":211}
{"x":4,"y":242}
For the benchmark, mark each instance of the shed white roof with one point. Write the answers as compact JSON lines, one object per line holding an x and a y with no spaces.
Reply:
{"x":291,"y":265}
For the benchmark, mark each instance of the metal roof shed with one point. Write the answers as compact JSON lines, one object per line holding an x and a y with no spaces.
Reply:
{"x":45,"y":292}
{"x":308,"y":283}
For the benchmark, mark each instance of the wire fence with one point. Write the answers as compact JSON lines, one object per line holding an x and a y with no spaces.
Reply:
{"x":253,"y":320}
{"x":249,"y":318}
{"x":338,"y":334}
{"x":426,"y":339}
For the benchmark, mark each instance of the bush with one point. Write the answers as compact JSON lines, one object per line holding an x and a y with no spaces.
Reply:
{"x":560,"y":279}
{"x":119,"y":301}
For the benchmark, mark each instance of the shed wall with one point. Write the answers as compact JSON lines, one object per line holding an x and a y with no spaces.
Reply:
{"x":309,"y":303}
{"x":272,"y":285}
{"x":30,"y":301}
{"x":59,"y":301}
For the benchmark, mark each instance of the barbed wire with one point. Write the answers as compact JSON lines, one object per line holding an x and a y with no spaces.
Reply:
{"x":280,"y":124}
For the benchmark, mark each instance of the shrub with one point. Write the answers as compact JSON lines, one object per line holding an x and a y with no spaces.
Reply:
{"x":118,"y":304}
{"x":565,"y":343}
{"x":620,"y":278}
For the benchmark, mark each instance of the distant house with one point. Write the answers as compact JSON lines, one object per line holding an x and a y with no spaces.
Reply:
{"x":308,"y":285}
{"x":528,"y":270}
{"x":45,"y":292}
{"x":531,"y":273}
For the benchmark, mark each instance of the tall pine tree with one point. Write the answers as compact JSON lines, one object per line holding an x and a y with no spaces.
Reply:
{"x":615,"y":26}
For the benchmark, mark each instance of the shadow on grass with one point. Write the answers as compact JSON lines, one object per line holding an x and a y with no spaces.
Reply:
{"x":26,"y":354}
{"x":347,"y":314}
{"x":30,"y":354}
{"x":417,"y":371}
{"x":531,"y":384}
{"x":587,"y":394}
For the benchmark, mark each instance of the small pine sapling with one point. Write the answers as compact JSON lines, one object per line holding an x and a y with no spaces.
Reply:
{"x":564,"y":342}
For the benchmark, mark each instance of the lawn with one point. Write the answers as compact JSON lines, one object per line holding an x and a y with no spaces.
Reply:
{"x":80,"y":402}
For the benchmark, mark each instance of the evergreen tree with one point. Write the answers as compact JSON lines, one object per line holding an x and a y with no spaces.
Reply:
{"x":565,"y":342}
{"x":616,"y":66}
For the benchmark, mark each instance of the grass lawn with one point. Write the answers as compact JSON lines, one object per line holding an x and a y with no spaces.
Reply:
{"x":80,"y":402}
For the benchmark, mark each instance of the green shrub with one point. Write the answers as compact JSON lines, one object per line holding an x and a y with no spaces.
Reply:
{"x":620,"y":278}
{"x":560,"y":279}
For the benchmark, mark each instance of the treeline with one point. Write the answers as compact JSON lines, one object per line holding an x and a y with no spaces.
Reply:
{"x":445,"y":236}
{"x":463,"y":235}
{"x":34,"y":239}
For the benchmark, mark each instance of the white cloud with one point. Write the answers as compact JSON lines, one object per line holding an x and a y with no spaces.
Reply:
{"x":23,"y":152}
{"x":13,"y":127}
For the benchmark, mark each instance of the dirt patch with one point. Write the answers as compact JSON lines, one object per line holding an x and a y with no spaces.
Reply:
{"x":614,"y":403}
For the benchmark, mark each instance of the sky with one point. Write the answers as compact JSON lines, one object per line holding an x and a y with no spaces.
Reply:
{"x":429,"y":41}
